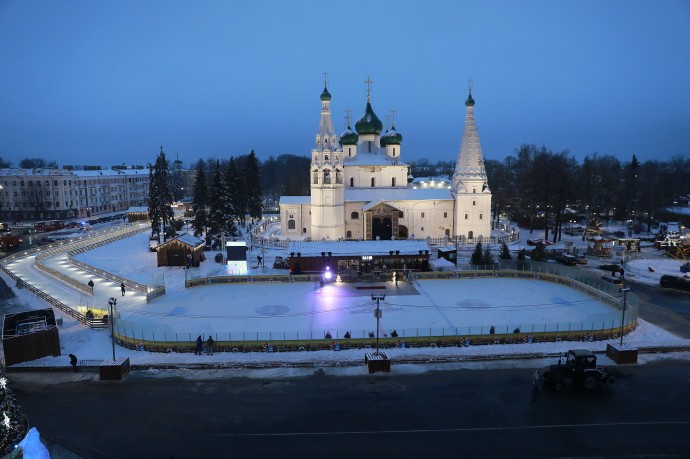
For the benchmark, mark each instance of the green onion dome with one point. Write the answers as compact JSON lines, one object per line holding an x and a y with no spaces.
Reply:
{"x":470,"y":101}
{"x":370,"y":123}
{"x":348,"y":137}
{"x":391,"y":137}
{"x":325,"y":95}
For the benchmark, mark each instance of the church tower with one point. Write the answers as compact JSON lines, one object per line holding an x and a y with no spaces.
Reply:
{"x":469,"y":186}
{"x":327,"y":189}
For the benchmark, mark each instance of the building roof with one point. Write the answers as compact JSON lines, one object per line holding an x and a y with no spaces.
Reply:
{"x":397,"y":194}
{"x":187,"y":239}
{"x":350,"y":248}
{"x":371,"y":159}
{"x":301,"y":200}
{"x":138,"y":209}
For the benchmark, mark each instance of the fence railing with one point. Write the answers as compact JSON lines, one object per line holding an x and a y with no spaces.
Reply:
{"x":600,"y":326}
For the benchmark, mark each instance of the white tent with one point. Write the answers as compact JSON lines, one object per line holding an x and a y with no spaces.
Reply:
{"x":442,"y":265}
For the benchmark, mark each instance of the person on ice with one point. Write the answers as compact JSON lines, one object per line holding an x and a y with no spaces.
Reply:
{"x":209,"y":345}
{"x":199,"y":345}
{"x":122,"y":288}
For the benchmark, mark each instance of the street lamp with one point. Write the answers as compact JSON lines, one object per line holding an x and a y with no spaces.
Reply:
{"x":625,"y":292}
{"x":377,"y":314}
{"x":111,"y":302}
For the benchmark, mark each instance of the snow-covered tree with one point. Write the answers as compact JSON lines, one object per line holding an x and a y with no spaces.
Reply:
{"x":487,"y":257}
{"x":478,"y":255}
{"x":220,"y":221}
{"x":13,"y":424}
{"x":505,"y":252}
{"x":160,"y":197}
{"x":200,"y":201}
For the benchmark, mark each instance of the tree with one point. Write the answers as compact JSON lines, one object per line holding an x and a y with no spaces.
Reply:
{"x":36,"y":163}
{"x":220,"y":221}
{"x":160,"y":197}
{"x":252,"y":174}
{"x":487,"y":257}
{"x":477,"y":257}
{"x":14,"y":422}
{"x":236,"y":191}
{"x":522,"y":254}
{"x":5,"y":164}
{"x":539,"y":252}
{"x":505,"y":252}
{"x":200,"y":201}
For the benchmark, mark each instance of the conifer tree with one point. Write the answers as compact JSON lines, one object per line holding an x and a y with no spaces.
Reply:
{"x":235,"y":190}
{"x":160,"y":197}
{"x":200,"y":201}
{"x":522,"y":254}
{"x":505,"y":252}
{"x":13,"y":423}
{"x":252,"y":172}
{"x":487,"y":257}
{"x":478,"y":255}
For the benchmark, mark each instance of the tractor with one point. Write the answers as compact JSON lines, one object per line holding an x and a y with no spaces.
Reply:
{"x":577,"y":368}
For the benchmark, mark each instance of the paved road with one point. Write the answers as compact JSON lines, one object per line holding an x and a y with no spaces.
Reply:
{"x":666,"y":308}
{"x":490,"y":413}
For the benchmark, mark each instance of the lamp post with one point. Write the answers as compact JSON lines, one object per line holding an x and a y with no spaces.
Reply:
{"x":377,"y":314}
{"x":111,"y":302}
{"x":625,"y":293}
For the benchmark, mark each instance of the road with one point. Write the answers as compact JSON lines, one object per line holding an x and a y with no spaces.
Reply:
{"x":666,"y":308}
{"x":488,"y":413}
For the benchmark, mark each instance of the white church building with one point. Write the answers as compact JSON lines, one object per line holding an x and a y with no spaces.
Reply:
{"x":360,"y":191}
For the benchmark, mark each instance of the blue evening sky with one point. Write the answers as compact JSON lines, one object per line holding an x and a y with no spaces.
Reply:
{"x":107,"y":82}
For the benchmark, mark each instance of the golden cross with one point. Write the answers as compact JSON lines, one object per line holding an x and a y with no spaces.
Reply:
{"x":368,"y":82}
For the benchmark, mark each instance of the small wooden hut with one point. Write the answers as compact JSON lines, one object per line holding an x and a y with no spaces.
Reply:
{"x":137,"y":213}
{"x":30,"y":335}
{"x":184,"y":250}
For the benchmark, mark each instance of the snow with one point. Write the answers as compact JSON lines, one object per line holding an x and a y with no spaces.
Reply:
{"x":253,"y":308}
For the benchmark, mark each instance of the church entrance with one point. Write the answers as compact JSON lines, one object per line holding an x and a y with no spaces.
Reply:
{"x":381,"y":222}
{"x":381,"y":228}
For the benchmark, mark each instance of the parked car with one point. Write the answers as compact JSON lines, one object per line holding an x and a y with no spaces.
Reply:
{"x":567,"y":259}
{"x":613,"y":280}
{"x":677,"y":282}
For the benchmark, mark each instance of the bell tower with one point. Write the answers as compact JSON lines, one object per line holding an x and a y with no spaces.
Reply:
{"x":326,"y":178}
{"x":470,"y":187}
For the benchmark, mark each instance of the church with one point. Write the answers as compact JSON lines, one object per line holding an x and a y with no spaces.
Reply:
{"x":360,"y":191}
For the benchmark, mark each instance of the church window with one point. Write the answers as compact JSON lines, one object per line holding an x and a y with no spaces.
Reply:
{"x":394,"y":151}
{"x":474,"y":190}
{"x":481,"y":216}
{"x":326,"y":157}
{"x":372,"y":182}
{"x":400,"y":215}
{"x":354,"y":215}
{"x":292,"y":216}
{"x":466,"y":217}
{"x":422,"y":214}
{"x":447,"y":233}
{"x":291,"y":224}
{"x":393,"y":181}
{"x":352,"y":182}
{"x":326,"y":176}
{"x":349,"y":151}
{"x":304,"y":231}
{"x":369,"y":143}
{"x":445,"y":214}
{"x":474,"y":203}
{"x":316,"y":177}
{"x":348,"y":234}
{"x":422,"y":228}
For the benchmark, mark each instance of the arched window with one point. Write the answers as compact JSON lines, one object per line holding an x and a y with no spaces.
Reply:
{"x":372,"y":182}
{"x":354,"y":215}
{"x":315,"y":176}
{"x":393,"y":151}
{"x":326,"y":176}
{"x":352,"y":182}
{"x":393,"y":181}
{"x":291,"y":224}
{"x":349,"y":151}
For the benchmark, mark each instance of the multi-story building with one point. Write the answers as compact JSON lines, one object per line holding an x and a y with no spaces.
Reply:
{"x":47,"y":193}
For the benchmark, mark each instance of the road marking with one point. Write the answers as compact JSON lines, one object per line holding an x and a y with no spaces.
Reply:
{"x":458,"y":429}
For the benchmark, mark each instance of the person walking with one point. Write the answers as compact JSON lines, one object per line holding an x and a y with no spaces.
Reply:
{"x":91,"y":284}
{"x":209,"y":345}
{"x":199,"y":345}
{"x":122,"y":288}
{"x":73,"y":361}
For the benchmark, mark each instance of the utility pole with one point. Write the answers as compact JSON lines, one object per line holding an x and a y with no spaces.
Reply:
{"x":625,"y":293}
{"x":377,"y":314}
{"x":111,"y":302}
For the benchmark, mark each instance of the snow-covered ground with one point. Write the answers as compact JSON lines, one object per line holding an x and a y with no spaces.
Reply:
{"x":237,"y":308}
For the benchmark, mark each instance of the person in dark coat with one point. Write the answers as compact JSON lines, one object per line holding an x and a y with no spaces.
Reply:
{"x":122,"y":288}
{"x":199,"y":345}
{"x":73,"y":361}
{"x":91,"y":284}
{"x":209,"y":345}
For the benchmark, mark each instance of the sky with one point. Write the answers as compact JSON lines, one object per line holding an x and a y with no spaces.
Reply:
{"x":108,"y":82}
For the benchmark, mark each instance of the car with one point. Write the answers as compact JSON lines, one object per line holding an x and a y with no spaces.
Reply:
{"x":567,"y":259}
{"x":44,"y":241}
{"x":613,"y":280}
{"x":677,"y":282}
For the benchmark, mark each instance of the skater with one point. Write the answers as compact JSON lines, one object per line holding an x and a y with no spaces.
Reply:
{"x":209,"y":345}
{"x":91,"y":284}
{"x":199,"y":345}
{"x":122,"y":288}
{"x":73,"y":361}
{"x":258,"y":257}
{"x":395,"y":278}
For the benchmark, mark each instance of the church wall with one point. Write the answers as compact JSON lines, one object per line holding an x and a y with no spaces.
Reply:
{"x":300,"y":213}
{"x":477,"y":209}
{"x":383,"y":176}
{"x":354,"y":226}
{"x":426,"y":218}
